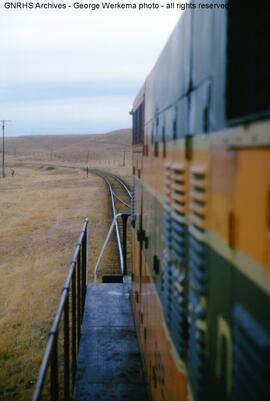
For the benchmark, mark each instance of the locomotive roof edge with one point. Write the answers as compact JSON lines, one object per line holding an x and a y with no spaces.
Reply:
{"x":212,"y":73}
{"x":139,"y":98}
{"x":141,"y":93}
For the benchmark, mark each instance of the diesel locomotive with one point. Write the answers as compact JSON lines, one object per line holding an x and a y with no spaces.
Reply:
{"x":201,"y":209}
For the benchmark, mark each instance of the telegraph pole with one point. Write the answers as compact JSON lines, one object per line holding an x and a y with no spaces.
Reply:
{"x":87,"y":159}
{"x":3,"y":147}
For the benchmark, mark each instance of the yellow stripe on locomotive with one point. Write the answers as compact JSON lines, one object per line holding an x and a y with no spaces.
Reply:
{"x":201,"y":210}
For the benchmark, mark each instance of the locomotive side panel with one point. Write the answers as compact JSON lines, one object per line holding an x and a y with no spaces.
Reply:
{"x":204,"y":230}
{"x":170,"y":79}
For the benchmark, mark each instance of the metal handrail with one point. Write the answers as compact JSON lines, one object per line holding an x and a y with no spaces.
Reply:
{"x":117,"y":230}
{"x":75,"y":284}
{"x":124,"y":250}
{"x":114,"y":213}
{"x":121,"y":200}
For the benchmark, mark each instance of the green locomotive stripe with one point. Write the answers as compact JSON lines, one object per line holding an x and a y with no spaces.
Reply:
{"x":226,"y":287}
{"x":246,"y":265}
{"x":232,"y":279}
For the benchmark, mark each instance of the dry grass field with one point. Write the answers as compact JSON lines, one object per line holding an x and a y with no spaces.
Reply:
{"x":100,"y":150}
{"x":41,"y":214}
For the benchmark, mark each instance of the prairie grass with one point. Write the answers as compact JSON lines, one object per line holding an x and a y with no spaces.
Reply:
{"x":41,"y":214}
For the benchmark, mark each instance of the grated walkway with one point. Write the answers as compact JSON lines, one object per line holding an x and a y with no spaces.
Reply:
{"x":109,"y":362}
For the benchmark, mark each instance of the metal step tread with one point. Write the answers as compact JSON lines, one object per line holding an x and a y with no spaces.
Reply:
{"x":109,"y":361}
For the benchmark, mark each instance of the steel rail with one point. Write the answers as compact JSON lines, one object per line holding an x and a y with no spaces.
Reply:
{"x":117,"y":230}
{"x":120,"y":180}
{"x":105,"y":245}
{"x":96,"y":171}
{"x":105,"y":176}
{"x":123,"y":184}
{"x":120,"y":200}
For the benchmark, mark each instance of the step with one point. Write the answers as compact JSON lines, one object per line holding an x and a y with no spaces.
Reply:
{"x":109,"y":361}
{"x":112,"y":278}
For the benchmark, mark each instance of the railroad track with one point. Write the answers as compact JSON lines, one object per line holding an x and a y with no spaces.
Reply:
{"x":120,"y":197}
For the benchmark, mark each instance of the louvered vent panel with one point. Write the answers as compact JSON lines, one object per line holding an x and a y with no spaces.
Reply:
{"x":197,"y":279}
{"x":179,"y":209}
{"x":166,"y":286}
{"x":251,"y":358}
{"x":167,"y":231}
{"x":175,"y":254}
{"x":167,"y":210}
{"x":198,"y":198}
{"x":179,"y":188}
{"x":178,"y":310}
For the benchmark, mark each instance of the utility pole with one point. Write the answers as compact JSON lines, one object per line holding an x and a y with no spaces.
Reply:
{"x":87,"y":159}
{"x":3,"y":147}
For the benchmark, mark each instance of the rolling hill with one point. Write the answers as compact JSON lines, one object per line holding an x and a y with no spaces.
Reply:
{"x":73,"y":148}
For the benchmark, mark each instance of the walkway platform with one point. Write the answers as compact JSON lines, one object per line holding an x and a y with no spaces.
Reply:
{"x":109,"y":361}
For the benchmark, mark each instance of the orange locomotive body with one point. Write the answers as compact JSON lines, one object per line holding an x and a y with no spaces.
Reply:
{"x":200,"y":211}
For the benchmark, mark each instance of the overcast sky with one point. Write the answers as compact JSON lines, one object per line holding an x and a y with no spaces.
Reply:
{"x":76,"y":71}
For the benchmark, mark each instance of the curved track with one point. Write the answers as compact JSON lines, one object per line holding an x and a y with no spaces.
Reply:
{"x":120,"y":196}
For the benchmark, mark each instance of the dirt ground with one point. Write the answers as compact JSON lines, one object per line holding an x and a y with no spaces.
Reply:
{"x":41,"y":215}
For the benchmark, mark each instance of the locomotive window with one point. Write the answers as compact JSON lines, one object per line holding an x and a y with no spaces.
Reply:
{"x":248,"y":66}
{"x":138,"y":125}
{"x":134,"y":128}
